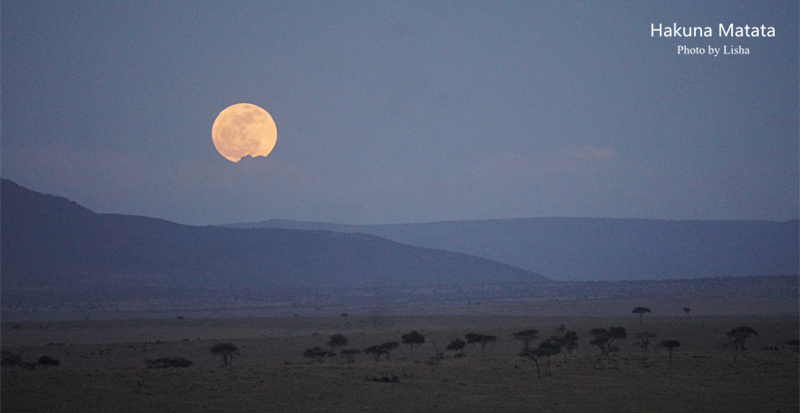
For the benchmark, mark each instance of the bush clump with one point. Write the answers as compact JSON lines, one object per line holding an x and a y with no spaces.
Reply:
{"x":48,"y":361}
{"x":167,"y":362}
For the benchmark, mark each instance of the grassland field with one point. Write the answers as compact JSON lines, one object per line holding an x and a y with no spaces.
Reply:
{"x":102,"y":366}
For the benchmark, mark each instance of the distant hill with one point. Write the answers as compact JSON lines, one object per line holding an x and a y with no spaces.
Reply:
{"x":49,"y":242}
{"x":593,"y":249}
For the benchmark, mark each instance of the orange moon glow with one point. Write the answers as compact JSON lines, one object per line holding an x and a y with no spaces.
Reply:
{"x":244,"y":129}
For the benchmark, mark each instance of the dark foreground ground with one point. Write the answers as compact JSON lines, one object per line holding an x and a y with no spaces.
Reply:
{"x":103,"y":366}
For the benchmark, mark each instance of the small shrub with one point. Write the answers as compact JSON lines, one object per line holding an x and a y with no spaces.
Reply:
{"x":167,"y":362}
{"x":389,"y":378}
{"x":48,"y":361}
{"x":318,"y":354}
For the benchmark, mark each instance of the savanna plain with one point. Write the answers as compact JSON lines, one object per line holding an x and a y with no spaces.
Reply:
{"x":107,"y":366}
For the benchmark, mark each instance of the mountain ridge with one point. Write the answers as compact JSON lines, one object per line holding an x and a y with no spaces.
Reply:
{"x":49,"y":240}
{"x":63,"y":261}
{"x":594,"y":249}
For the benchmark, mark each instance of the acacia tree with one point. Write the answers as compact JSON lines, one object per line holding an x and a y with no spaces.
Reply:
{"x":226,"y":350}
{"x":376,"y":351}
{"x":569,"y":342}
{"x":737,"y":337}
{"x":413,"y":338}
{"x":337,"y":341}
{"x":382,"y":349}
{"x":482,"y":339}
{"x":439,"y":355}
{"x":456,"y":345}
{"x":687,"y":310}
{"x":670,"y":345}
{"x":641,"y":311}
{"x":388,"y":347}
{"x":604,"y":339}
{"x":643,"y":339}
{"x":546,"y":348}
{"x":526,"y":336}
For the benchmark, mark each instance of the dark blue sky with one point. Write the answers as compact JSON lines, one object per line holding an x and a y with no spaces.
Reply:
{"x":392,"y":112}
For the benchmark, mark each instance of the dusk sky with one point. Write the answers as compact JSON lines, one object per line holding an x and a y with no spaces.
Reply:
{"x":397,"y":112}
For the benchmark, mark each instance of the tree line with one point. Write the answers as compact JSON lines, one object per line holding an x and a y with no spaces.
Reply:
{"x":564,"y":342}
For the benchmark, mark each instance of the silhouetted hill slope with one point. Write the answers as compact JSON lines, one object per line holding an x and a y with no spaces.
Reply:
{"x":49,"y":241}
{"x":586,"y":249}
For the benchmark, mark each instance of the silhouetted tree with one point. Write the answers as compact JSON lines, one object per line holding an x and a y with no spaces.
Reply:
{"x":226,"y":350}
{"x":482,"y":339}
{"x":438,"y":356}
{"x":413,"y":338}
{"x":382,"y":349}
{"x":456,"y":345}
{"x":737,"y":338}
{"x":526,"y":336}
{"x":569,"y":342}
{"x":670,"y":345}
{"x":641,"y":311}
{"x":318,"y":354}
{"x":546,"y":348}
{"x":687,"y":310}
{"x":794,"y":343}
{"x":336,"y":341}
{"x":388,"y":347}
{"x":550,"y":347}
{"x":604,"y":339}
{"x":376,"y":351}
{"x":643,"y":339}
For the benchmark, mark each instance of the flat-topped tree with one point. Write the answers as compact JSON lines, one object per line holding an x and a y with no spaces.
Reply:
{"x":737,"y":337}
{"x":382,"y":349}
{"x":376,"y":351}
{"x":670,"y":345}
{"x":226,"y":350}
{"x":526,"y":337}
{"x":643,"y":339}
{"x":641,"y":311}
{"x":482,"y":339}
{"x":569,"y":342}
{"x":336,"y":342}
{"x":412,"y":338}
{"x":604,"y":339}
{"x":456,"y":345}
{"x":546,"y":348}
{"x":388,"y":347}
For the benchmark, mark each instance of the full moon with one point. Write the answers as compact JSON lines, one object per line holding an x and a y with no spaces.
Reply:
{"x":243,"y":129}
